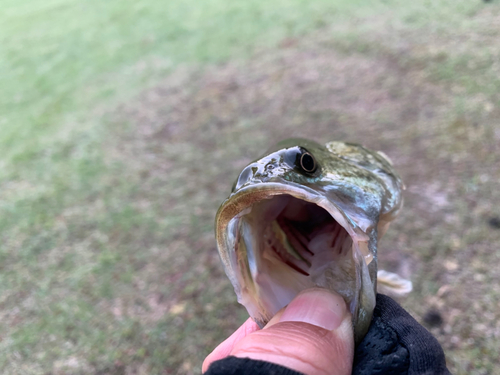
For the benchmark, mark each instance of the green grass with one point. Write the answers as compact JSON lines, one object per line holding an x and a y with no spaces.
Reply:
{"x":64,"y":61}
{"x":107,"y":258}
{"x":58,"y":55}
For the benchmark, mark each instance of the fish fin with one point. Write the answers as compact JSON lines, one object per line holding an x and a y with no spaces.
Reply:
{"x":393,"y":284}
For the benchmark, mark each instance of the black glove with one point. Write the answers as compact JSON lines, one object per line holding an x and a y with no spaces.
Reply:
{"x":394,"y":344}
{"x":397,"y":344}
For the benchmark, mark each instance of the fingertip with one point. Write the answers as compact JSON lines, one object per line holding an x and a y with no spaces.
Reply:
{"x":317,"y":306}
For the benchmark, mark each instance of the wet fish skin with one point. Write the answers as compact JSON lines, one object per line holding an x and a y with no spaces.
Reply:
{"x":358,"y":187}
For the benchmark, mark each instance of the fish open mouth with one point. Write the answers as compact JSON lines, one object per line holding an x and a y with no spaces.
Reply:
{"x":298,"y":233}
{"x":281,"y":244}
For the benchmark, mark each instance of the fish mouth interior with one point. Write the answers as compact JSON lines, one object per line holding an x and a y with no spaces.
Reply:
{"x":285,"y":245}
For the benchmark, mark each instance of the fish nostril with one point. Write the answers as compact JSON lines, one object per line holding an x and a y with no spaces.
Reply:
{"x":270,"y":166}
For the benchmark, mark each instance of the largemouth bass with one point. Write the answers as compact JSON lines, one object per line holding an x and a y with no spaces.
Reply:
{"x":307,"y":215}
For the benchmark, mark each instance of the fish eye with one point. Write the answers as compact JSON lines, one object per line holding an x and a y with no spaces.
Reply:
{"x":300,"y":160}
{"x":307,"y":162}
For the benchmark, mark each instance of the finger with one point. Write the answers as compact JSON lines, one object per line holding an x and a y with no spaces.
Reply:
{"x":314,"y":336}
{"x":223,"y":350}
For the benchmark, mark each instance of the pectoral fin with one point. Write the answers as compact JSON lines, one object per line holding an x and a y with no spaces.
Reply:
{"x":392,"y":284}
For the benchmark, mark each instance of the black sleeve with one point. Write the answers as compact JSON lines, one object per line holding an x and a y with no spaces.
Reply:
{"x":394,"y":344}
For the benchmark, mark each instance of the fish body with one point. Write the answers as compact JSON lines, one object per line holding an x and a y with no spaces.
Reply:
{"x":309,"y":215}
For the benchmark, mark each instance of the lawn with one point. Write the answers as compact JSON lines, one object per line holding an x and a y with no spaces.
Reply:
{"x":123,"y":125}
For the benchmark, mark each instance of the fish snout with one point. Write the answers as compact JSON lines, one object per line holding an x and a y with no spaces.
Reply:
{"x":258,"y":172}
{"x":246,"y":176}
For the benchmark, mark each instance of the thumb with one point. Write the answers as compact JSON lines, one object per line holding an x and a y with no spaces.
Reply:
{"x":313,"y":335}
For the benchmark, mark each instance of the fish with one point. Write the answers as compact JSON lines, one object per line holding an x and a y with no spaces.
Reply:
{"x":310,"y":215}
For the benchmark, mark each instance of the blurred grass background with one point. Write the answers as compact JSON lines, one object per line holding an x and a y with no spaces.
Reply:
{"x":124,"y":123}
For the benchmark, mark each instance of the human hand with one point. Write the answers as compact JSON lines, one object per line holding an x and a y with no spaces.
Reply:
{"x":312,"y":335}
{"x":290,"y":340}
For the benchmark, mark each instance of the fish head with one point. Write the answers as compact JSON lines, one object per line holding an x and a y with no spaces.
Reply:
{"x":308,"y":215}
